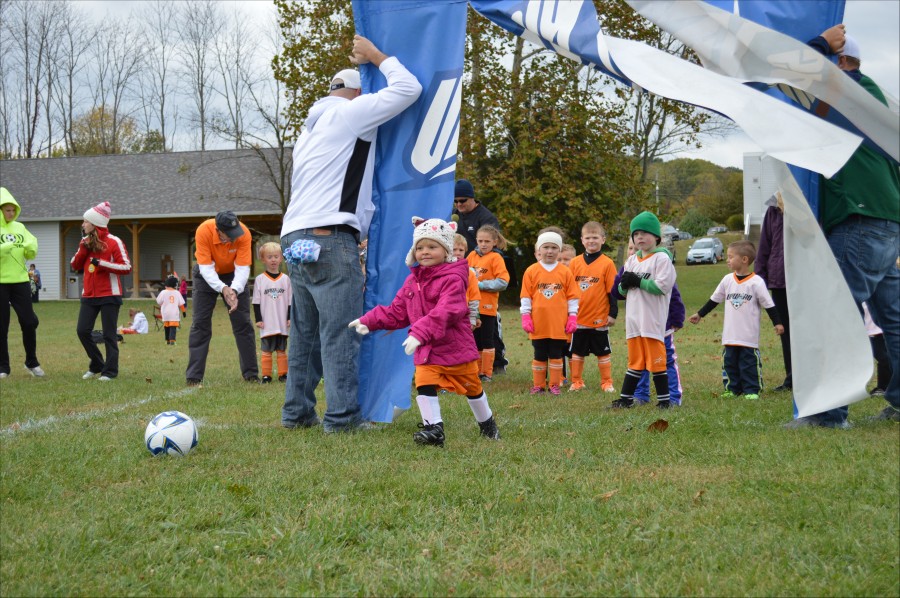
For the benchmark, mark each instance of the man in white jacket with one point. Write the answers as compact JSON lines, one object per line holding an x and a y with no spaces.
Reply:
{"x":331,"y":206}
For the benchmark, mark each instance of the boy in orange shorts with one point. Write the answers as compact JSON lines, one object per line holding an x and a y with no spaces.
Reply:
{"x":646,"y":284}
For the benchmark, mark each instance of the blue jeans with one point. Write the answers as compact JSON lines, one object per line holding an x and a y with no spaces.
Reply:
{"x":741,"y":370}
{"x":326,"y":296}
{"x":866,"y":250}
{"x":642,"y":392}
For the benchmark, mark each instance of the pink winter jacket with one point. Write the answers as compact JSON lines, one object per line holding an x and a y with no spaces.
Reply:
{"x":432,"y":301}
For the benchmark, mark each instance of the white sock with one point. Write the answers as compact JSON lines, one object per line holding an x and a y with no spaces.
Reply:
{"x":424,"y":403}
{"x":435,"y":410}
{"x":480,"y":408}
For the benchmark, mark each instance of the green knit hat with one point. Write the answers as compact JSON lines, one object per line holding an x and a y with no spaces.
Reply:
{"x":647,"y":222}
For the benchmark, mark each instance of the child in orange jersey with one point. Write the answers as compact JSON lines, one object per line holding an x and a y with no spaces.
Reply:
{"x":493,"y":278}
{"x":595,"y":274}
{"x":171,"y":309}
{"x":473,"y":295}
{"x":549,"y":311}
{"x":567,"y":254}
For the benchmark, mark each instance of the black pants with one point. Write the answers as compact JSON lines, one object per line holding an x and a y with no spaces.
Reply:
{"x":109,"y":317}
{"x":18,"y":295}
{"x":170,"y":332}
{"x":779,"y":296}
{"x":742,"y":370}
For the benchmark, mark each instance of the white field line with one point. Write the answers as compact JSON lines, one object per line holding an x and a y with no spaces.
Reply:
{"x":39,"y":424}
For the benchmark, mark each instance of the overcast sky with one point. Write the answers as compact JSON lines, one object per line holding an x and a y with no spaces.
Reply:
{"x":874,"y":23}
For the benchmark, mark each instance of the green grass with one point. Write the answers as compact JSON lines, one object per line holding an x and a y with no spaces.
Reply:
{"x":575,"y":500}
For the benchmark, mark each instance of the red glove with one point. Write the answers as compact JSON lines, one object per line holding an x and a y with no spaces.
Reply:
{"x":527,"y":323}
{"x":571,"y":324}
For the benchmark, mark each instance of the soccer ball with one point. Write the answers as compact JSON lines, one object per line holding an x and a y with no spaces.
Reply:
{"x":171,"y":433}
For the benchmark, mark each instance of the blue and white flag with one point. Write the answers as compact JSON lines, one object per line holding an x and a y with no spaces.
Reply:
{"x":415,"y":162}
{"x":571,"y":28}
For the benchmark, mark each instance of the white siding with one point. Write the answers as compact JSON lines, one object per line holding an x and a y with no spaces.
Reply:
{"x":759,"y":185}
{"x":47,"y":260}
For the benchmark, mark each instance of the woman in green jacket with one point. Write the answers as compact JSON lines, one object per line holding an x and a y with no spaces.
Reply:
{"x":16,"y":246}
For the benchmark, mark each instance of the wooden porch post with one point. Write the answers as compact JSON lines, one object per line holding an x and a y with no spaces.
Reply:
{"x":135,"y":228}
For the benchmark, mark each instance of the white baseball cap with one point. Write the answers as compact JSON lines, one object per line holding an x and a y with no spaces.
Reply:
{"x":349,"y":79}
{"x":851,"y":48}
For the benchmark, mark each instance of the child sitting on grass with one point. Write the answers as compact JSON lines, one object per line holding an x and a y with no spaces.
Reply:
{"x":646,"y":283}
{"x":745,"y":293}
{"x":432,"y":302}
{"x":549,"y":308}
{"x":138,"y":323}
{"x":272,"y":312}
{"x":171,"y":308}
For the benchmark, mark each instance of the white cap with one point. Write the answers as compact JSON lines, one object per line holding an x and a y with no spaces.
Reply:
{"x":548,"y":237}
{"x":348,"y":77}
{"x":850,"y":49}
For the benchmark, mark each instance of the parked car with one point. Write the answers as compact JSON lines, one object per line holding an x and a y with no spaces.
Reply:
{"x":683,"y":235}
{"x":668,"y":229}
{"x":715,"y":230}
{"x":669,"y":244}
{"x":707,"y":249}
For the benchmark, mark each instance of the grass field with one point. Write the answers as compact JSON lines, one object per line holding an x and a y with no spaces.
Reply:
{"x":575,"y":500}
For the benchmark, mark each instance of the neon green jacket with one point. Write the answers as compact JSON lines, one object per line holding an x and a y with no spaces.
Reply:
{"x":16,"y":244}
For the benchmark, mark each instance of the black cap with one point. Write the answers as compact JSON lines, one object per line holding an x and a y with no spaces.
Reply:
{"x":228,"y":223}
{"x":464,"y":189}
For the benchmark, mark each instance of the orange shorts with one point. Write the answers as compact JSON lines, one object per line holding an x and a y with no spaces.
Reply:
{"x":646,"y":354}
{"x":461,"y":379}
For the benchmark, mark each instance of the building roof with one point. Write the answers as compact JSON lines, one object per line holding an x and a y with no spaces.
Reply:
{"x":171,"y":185}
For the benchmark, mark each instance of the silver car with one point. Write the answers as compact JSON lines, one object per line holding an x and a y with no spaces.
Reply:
{"x":706,"y":250}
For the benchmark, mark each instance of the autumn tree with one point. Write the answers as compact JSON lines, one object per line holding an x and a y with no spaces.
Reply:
{"x":99,"y":132}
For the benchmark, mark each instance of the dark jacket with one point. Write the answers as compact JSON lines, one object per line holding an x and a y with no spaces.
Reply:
{"x":471,"y":222}
{"x":770,"y":256}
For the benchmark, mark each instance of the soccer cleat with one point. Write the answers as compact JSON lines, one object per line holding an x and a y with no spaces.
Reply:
{"x":36,"y":371}
{"x":663,"y":405}
{"x":751,"y":396}
{"x":877,"y":392}
{"x":253,"y":380}
{"x":608,"y":387}
{"x":104,"y":379}
{"x":727,"y":395}
{"x":622,"y":403}
{"x":266,"y":379}
{"x":88,"y":375}
{"x":576,"y":386}
{"x":554,"y":390}
{"x":430,"y":435}
{"x":485,"y":378}
{"x":3,"y":375}
{"x":489,"y":428}
{"x":889,"y":414}
{"x":536,"y":390}
{"x":282,"y":378}
{"x":782,"y":387}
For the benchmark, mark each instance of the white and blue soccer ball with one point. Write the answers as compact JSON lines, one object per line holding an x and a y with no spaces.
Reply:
{"x":171,"y":433}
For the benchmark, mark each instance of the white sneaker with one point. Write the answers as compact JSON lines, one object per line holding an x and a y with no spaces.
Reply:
{"x":104,"y":378}
{"x":36,"y":371}
{"x":88,"y":375}
{"x":3,"y":375}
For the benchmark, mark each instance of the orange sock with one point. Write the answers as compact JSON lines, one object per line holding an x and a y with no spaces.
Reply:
{"x":604,"y":364}
{"x":487,"y":362}
{"x":539,"y":373}
{"x":481,"y":362}
{"x":282,"y":362}
{"x":576,"y":365}
{"x":555,"y":372}
{"x":266,"y":364}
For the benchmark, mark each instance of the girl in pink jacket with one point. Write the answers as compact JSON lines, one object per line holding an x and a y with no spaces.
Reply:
{"x":432,"y":302}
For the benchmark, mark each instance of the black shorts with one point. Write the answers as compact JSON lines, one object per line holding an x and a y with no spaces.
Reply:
{"x":589,"y":340}
{"x":549,"y":348}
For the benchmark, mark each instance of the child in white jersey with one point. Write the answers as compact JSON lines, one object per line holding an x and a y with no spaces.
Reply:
{"x":171,"y":308}
{"x":272,"y":309}
{"x":745,"y":293}
{"x":646,"y":283}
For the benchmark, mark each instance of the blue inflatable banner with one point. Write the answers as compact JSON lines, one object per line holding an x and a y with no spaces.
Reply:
{"x":415,"y":162}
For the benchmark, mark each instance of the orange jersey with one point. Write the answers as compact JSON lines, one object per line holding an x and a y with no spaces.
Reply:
{"x":595,"y":281}
{"x":488,"y":267}
{"x":472,"y":292}
{"x":225,"y":256}
{"x":550,"y":293}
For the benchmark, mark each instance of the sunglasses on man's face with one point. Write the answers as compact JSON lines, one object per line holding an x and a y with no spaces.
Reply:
{"x":463,"y":200}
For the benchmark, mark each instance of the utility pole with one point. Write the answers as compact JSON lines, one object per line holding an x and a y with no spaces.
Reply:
{"x":657,"y":193}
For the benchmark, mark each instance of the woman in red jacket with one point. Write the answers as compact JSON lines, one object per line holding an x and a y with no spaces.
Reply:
{"x":104,"y":259}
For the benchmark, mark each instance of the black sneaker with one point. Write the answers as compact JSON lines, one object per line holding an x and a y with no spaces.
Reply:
{"x":889,"y":414}
{"x":282,"y":378}
{"x":266,"y":379}
{"x":430,"y":434}
{"x":877,"y":392}
{"x":663,"y":404}
{"x":193,"y":382}
{"x":622,"y":403}
{"x":253,"y":380}
{"x":489,"y":428}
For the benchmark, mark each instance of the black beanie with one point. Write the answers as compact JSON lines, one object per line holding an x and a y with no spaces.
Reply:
{"x":464,"y":189}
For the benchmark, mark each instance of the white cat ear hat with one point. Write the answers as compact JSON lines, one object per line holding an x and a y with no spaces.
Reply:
{"x":435,"y":229}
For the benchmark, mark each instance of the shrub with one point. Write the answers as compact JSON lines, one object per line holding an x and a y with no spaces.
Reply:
{"x":696,"y":223}
{"x":735,"y":222}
